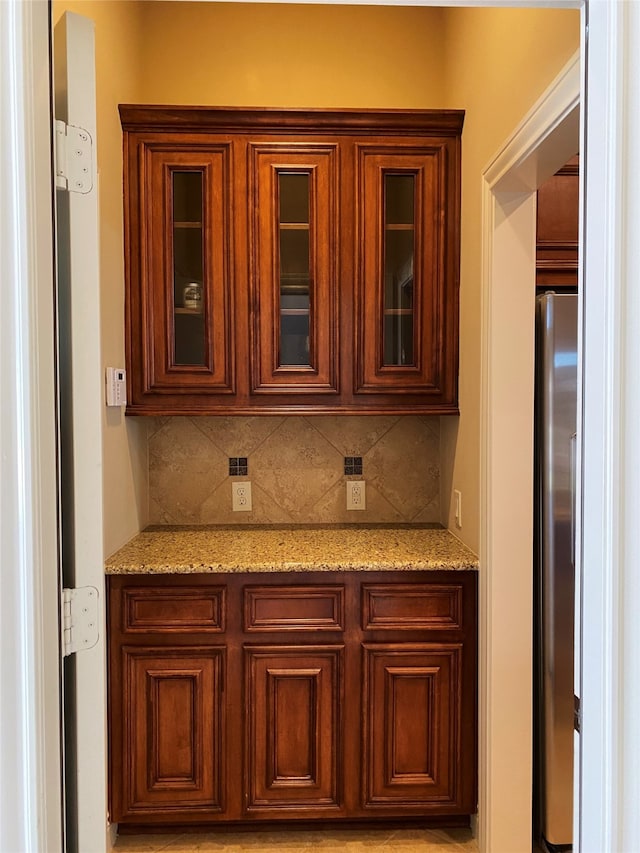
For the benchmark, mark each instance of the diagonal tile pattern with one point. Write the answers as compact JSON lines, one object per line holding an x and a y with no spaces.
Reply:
{"x":296,"y":466}
{"x":184,"y":469}
{"x":294,"y":841}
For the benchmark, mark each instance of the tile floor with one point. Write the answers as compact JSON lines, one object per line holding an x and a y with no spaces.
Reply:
{"x":324,"y":841}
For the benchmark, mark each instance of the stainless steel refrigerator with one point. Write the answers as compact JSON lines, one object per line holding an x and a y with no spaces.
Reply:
{"x":556,"y":408}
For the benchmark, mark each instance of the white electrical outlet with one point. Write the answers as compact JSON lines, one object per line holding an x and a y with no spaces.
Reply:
{"x":457,"y":501}
{"x":356,"y":494}
{"x":241,"y":497}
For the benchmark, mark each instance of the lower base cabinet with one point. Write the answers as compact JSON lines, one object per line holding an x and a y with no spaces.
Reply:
{"x":410,"y":725}
{"x":249,"y":698}
{"x":174,"y":728}
{"x":293,"y":729}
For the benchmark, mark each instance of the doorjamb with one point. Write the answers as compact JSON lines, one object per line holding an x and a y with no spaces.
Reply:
{"x":546,"y":138}
{"x":30,"y":779}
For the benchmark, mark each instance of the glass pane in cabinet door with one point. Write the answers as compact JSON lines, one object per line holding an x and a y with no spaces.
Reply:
{"x":188,"y":268}
{"x":295,"y":277}
{"x":399,"y":229}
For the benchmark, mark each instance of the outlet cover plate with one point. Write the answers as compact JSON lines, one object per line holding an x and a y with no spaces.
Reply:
{"x":241,"y":496}
{"x":356,"y":497}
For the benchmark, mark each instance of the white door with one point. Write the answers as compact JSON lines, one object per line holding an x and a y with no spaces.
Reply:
{"x":81,"y":398}
{"x":30,"y":787}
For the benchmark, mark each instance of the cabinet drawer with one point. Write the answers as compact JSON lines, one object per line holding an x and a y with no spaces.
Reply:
{"x":173,"y":610}
{"x":296,"y":608}
{"x":411,"y":607}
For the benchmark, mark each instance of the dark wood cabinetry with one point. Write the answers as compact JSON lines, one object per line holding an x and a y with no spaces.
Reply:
{"x":175,"y":720}
{"x":289,"y":260}
{"x":285,"y":697}
{"x":293,"y":729}
{"x":557,"y":229}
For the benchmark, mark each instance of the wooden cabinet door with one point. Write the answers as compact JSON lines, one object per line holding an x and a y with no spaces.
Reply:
{"x":293,"y":740}
{"x":172,"y":761}
{"x":406,"y":282}
{"x":411,"y":729}
{"x":294,"y":260}
{"x":180,"y":300}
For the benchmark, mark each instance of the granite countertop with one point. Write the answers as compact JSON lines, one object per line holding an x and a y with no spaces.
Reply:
{"x":290,"y":549}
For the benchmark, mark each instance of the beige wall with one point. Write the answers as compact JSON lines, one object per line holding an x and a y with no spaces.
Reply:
{"x":118,"y":76}
{"x":277,"y":55}
{"x":510,"y":57}
{"x":287,"y":55}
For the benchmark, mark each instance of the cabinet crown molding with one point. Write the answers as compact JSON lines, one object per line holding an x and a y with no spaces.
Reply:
{"x":157,"y":117}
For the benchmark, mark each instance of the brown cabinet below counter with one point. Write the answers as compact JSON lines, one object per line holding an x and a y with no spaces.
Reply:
{"x":316,"y":696}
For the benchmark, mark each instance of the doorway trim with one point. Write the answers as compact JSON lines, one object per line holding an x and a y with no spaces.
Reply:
{"x":546,"y":138}
{"x":30,"y":781}
{"x":610,"y":768}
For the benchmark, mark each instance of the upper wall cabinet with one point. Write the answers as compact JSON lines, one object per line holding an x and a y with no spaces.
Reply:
{"x":291,"y":261}
{"x":558,"y":213}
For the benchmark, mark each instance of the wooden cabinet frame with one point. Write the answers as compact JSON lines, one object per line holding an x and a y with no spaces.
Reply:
{"x":239,"y":699}
{"x":240,"y":152}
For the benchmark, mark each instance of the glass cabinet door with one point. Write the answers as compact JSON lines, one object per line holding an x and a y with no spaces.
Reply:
{"x":188,"y":267}
{"x":293,"y":275}
{"x":400,"y":275}
{"x":188,"y":257}
{"x":399,"y":250}
{"x":293,"y":261}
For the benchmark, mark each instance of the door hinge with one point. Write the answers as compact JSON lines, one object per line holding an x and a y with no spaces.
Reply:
{"x":577,"y":714}
{"x":79,"y":619}
{"x":74,"y":158}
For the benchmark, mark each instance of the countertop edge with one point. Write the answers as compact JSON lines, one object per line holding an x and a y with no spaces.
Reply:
{"x":270,"y":568}
{"x":281,"y":550}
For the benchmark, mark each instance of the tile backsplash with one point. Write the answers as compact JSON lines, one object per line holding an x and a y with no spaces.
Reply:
{"x":296,"y":468}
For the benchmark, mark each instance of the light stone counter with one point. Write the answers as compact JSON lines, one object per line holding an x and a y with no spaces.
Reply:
{"x":290,"y":549}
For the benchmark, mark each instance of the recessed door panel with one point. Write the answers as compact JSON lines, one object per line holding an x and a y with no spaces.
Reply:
{"x":173,"y":731}
{"x":294,"y":730}
{"x":412,"y":724}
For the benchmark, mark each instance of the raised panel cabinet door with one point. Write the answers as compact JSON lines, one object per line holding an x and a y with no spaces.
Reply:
{"x":293,"y":730}
{"x":180,"y":291}
{"x":412,"y":726}
{"x":293,"y":272}
{"x":173,"y":732}
{"x":407,"y":280}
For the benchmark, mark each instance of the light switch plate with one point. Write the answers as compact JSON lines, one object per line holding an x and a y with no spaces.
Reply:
{"x":116,"y":386}
{"x":457,"y":502}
